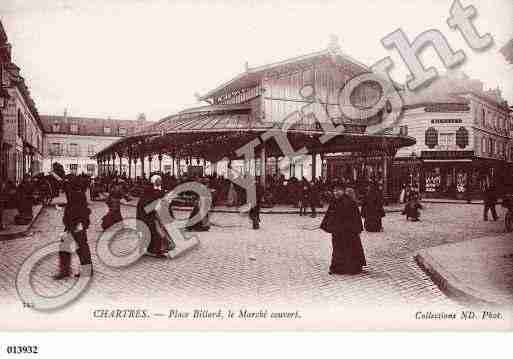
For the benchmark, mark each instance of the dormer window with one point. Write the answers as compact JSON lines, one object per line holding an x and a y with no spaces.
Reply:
{"x":74,"y":128}
{"x":55,"y":127}
{"x":106,"y":130}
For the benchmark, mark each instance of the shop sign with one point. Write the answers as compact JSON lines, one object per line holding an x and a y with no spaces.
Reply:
{"x":446,"y":120}
{"x":440,"y":155}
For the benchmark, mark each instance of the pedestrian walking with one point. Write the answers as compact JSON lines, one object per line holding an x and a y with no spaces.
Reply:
{"x":344,"y":223}
{"x":76,"y":222}
{"x":373,"y":210}
{"x":254,"y":212}
{"x":304,"y":194}
{"x":314,"y":197}
{"x":412,"y":208}
{"x":490,"y":200}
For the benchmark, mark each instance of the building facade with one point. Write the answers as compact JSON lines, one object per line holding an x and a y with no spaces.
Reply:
{"x":5,"y":58}
{"x":22,"y":130}
{"x":72,"y":141}
{"x":464,"y":138}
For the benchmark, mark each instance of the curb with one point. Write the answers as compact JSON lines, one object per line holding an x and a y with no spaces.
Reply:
{"x":449,"y":284}
{"x":10,"y":236}
{"x":449,"y":202}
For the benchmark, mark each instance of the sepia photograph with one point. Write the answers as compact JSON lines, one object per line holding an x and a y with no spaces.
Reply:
{"x":318,"y":165}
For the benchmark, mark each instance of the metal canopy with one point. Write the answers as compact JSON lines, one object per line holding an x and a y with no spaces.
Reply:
{"x":220,"y":134}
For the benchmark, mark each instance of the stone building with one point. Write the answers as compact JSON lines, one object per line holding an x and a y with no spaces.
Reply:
{"x":5,"y":58}
{"x":72,"y":141}
{"x":21,"y":140}
{"x":463,"y":138}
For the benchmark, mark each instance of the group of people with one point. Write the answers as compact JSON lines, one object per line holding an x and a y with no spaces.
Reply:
{"x":160,"y":242}
{"x":352,"y":209}
{"x":22,"y":197}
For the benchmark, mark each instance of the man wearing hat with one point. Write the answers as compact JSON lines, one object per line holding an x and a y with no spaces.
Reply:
{"x":76,"y":222}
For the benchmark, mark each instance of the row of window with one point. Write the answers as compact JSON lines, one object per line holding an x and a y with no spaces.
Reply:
{"x":491,"y":119}
{"x":460,"y":138}
{"x":56,"y":127}
{"x":492,"y":146}
{"x":72,"y":150}
{"x":27,"y":132}
{"x":446,"y":140}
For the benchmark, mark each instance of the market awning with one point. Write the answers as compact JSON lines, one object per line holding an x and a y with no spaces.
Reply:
{"x":216,"y":132}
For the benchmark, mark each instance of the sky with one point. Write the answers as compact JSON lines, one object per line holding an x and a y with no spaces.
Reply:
{"x":119,"y":58}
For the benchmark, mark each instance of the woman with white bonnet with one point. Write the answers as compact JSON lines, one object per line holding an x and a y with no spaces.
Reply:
{"x":159,"y":245}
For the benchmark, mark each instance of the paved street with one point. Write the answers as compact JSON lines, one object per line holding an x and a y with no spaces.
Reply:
{"x":284,"y":262}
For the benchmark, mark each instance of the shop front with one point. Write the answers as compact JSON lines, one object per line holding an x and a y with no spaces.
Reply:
{"x":457,"y":174}
{"x":406,"y":171}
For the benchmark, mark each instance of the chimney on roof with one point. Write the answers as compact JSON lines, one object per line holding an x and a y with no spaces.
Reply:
{"x":65,"y":116}
{"x":334,"y":45}
{"x":246,"y":66}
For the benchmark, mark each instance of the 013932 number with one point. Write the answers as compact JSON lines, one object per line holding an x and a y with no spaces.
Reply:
{"x":22,"y":349}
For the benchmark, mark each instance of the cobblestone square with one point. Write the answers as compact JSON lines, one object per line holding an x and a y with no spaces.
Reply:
{"x":285,"y":262}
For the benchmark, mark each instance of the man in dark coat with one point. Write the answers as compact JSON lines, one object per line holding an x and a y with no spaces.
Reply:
{"x":344,"y":223}
{"x":490,"y":200}
{"x":254,"y":212}
{"x":76,"y":222}
{"x":304,"y":195}
{"x":373,"y":210}
{"x":315,"y":197}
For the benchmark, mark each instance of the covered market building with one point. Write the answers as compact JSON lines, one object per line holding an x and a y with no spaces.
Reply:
{"x":290,"y":100}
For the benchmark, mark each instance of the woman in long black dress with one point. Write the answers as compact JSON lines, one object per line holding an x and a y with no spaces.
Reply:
{"x":158,"y":243}
{"x":344,"y":223}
